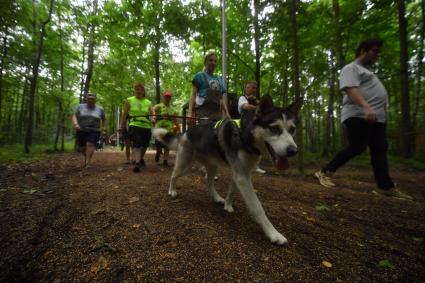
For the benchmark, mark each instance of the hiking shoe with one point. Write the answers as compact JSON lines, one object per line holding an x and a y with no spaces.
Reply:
{"x":324,"y":179}
{"x":393,"y":192}
{"x":136,"y":168}
{"x":259,"y":170}
{"x":157,"y":156}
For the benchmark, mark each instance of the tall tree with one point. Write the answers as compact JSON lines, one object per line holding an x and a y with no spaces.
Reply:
{"x":35,"y":70}
{"x":419,"y":66}
{"x":296,"y":77}
{"x":406,"y":139}
{"x":90,"y":52}
{"x":257,"y":46}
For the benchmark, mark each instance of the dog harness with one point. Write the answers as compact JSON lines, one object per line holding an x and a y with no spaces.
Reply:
{"x":236,"y":121}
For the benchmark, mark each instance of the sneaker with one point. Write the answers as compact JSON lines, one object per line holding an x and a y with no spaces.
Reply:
{"x":324,"y":179}
{"x":393,"y":192}
{"x":136,"y":168}
{"x":259,"y":170}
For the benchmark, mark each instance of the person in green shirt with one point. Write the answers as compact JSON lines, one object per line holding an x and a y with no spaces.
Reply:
{"x":138,"y":109}
{"x":165,"y":118}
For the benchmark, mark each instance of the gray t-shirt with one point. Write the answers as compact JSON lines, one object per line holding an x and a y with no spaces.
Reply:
{"x":89,"y":118}
{"x":371,"y":88}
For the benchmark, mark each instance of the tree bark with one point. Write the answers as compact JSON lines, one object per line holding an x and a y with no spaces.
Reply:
{"x":2,"y":65}
{"x":296,"y":82}
{"x":59,"y":122}
{"x":404,"y":83}
{"x":419,"y":67}
{"x":156,"y":63}
{"x":327,"y":139}
{"x":257,"y":47}
{"x":90,"y":55}
{"x":33,"y":87}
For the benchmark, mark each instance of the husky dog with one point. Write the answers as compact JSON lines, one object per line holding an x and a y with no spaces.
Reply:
{"x":239,"y":144}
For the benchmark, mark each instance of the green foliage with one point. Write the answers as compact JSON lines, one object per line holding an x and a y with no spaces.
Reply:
{"x":13,"y":152}
{"x":130,"y":35}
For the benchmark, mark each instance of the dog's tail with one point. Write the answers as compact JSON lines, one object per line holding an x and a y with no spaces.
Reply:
{"x":168,"y":138}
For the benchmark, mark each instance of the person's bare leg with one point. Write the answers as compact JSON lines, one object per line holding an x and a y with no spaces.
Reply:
{"x":127,"y":150}
{"x":89,"y":153}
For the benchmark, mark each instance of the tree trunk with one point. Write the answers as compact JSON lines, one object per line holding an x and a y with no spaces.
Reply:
{"x":419,"y":67}
{"x":327,"y":137}
{"x":2,"y":64}
{"x":59,"y":125}
{"x":82,"y":71}
{"x":404,"y":83}
{"x":156,"y":63}
{"x":33,"y":87}
{"x":257,"y":47}
{"x":296,"y":82}
{"x":90,"y":55}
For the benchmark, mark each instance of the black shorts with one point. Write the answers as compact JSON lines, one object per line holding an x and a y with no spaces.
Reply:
{"x":87,"y":137}
{"x":140,"y":137}
{"x":125,"y":135}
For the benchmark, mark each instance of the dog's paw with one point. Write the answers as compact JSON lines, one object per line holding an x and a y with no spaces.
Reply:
{"x":277,"y":238}
{"x":172,"y":194}
{"x":218,"y":199}
{"x":228,"y":208}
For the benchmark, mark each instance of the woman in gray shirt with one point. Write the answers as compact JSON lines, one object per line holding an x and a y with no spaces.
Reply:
{"x":89,"y":121}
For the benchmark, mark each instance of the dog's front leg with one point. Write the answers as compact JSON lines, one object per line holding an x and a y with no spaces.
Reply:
{"x":246,"y":189}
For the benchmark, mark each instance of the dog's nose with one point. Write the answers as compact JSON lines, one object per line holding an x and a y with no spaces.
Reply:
{"x":291,"y":151}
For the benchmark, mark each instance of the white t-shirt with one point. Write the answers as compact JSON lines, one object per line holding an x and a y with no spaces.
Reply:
{"x":242,"y":100}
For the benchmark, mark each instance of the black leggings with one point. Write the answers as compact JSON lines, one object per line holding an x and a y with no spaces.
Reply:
{"x":361,"y":134}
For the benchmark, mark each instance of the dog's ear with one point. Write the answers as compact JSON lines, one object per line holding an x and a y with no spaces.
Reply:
{"x":295,"y":107}
{"x":265,"y":106}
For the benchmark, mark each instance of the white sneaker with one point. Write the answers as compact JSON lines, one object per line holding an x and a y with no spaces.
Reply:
{"x":393,"y":192}
{"x":324,"y":179}
{"x":259,"y":170}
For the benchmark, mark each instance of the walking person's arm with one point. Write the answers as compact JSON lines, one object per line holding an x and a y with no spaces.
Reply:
{"x":355,"y":95}
{"x":75,"y":122}
{"x":192,"y":101}
{"x":124,"y":117}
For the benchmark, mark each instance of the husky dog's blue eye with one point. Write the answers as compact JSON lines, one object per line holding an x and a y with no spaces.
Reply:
{"x":291,"y":130}
{"x":275,"y":130}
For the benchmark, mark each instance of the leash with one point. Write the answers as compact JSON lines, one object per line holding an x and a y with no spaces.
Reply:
{"x":171,"y":116}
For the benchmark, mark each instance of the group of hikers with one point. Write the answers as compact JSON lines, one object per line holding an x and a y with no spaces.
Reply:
{"x":364,"y":117}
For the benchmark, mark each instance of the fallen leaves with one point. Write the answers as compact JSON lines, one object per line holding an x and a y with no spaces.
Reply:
{"x":133,"y":200}
{"x":101,"y":264}
{"x":326,"y":264}
{"x":165,"y":255}
{"x":386,"y":263}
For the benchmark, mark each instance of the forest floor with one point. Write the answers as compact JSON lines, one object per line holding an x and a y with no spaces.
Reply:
{"x":61,"y":223}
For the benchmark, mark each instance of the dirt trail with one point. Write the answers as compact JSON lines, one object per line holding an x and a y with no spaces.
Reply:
{"x":61,"y":223}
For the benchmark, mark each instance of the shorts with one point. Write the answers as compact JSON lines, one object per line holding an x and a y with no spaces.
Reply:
{"x":140,"y":137}
{"x":125,"y":135}
{"x":87,"y":137}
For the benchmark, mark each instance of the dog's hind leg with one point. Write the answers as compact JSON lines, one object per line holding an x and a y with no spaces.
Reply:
{"x":184,"y":158}
{"x":243,"y":182}
{"x":211,"y":172}
{"x":228,"y":204}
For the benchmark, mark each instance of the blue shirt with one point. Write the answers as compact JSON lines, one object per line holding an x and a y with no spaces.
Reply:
{"x":203,"y":81}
